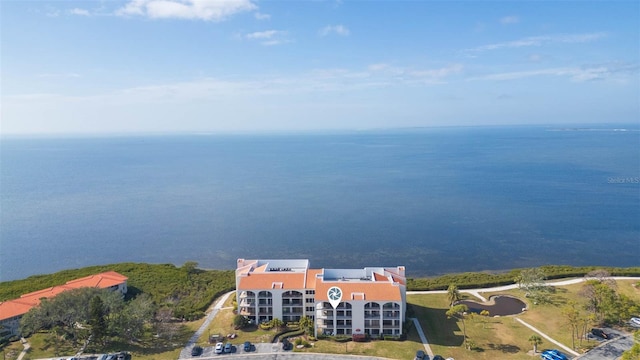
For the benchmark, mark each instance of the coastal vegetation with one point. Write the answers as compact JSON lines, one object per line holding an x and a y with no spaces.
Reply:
{"x":187,"y":291}
{"x":173,"y":294}
{"x":471,"y":280}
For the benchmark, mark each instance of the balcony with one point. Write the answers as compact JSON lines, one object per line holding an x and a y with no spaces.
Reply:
{"x":247,"y":311}
{"x":247,"y":302}
{"x":292,"y":302}
{"x":267,"y":312}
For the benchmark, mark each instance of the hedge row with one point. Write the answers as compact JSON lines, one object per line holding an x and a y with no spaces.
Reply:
{"x":481,"y":280}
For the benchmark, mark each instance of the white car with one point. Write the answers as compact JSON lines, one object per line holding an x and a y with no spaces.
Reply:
{"x":219,"y":348}
{"x":635,"y":322}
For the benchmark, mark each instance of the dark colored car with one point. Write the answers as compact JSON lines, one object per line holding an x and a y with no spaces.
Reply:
{"x":228,"y":347}
{"x":196,"y":351}
{"x":599,"y":333}
{"x":286,"y":345}
{"x":419,"y":355}
{"x":247,"y":346}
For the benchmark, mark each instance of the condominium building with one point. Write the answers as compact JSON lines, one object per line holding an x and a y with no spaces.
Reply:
{"x":11,"y":311}
{"x":368,"y":301}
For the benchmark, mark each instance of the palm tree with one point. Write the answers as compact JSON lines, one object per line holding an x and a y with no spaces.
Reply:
{"x":535,"y":340}
{"x":277,"y":323}
{"x":306,"y":324}
{"x":453,"y":294}
{"x":458,"y":312}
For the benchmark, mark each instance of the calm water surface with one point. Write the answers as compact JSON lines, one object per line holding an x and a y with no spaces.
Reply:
{"x":435,"y":200}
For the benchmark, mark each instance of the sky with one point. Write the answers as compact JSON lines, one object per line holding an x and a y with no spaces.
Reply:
{"x":165,"y":66}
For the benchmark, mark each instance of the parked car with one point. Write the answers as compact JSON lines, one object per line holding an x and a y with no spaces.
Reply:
{"x":286,"y":345}
{"x":635,"y":322}
{"x":228,"y":347}
{"x":553,"y":355}
{"x":247,"y":346}
{"x":419,"y":355}
{"x":599,"y":333}
{"x":219,"y":348}
{"x":196,"y":351}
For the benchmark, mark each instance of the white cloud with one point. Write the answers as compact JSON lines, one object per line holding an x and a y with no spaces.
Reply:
{"x":378,"y":67}
{"x":540,"y":41}
{"x":268,"y":34}
{"x":334,"y":29}
{"x":437,"y":73}
{"x":619,"y":72}
{"x":261,"y":16}
{"x":210,"y":10}
{"x":535,"y":57}
{"x":511,"y":19}
{"x":80,"y":12}
{"x":269,"y":37}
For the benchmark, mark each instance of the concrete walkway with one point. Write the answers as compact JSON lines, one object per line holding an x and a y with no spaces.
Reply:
{"x":423,"y":338}
{"x":565,"y":348}
{"x":26,"y":348}
{"x":213,"y":311}
{"x":476,"y":292}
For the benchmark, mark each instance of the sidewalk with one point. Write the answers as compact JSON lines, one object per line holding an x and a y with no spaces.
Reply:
{"x":186,"y":351}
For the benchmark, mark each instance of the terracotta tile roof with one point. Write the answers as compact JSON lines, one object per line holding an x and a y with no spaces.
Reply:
{"x":379,"y":277}
{"x":22,"y":305}
{"x":373,"y":291}
{"x":311,"y":277}
{"x":12,"y":308}
{"x":399,"y":279}
{"x":102,"y":281}
{"x":266,"y":280}
{"x":261,"y":268}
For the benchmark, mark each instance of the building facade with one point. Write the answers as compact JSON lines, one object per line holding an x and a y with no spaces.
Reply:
{"x":369,"y":301}
{"x":11,"y":311}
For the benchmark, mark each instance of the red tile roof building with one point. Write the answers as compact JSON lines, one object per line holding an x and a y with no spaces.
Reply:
{"x":365,"y":301}
{"x":11,"y":311}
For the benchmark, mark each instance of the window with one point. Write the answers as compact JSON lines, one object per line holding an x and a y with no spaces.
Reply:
{"x":309,"y":300}
{"x":310,"y":308}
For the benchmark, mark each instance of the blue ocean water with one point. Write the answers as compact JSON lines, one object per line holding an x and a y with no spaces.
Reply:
{"x":435,"y":200}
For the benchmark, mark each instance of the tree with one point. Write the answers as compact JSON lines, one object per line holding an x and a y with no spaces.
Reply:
{"x":68,"y":311}
{"x":634,"y":352}
{"x":306,"y":324}
{"x":190,"y":267}
{"x":485,"y":315}
{"x":572,"y":315}
{"x":165,"y":326}
{"x":277,"y":323}
{"x":458,"y":312}
{"x":535,"y":340}
{"x":240,"y":321}
{"x":97,"y":319}
{"x":453,"y":294}
{"x":531,"y":281}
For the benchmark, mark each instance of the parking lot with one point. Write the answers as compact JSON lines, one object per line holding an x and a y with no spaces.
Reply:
{"x":609,"y":349}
